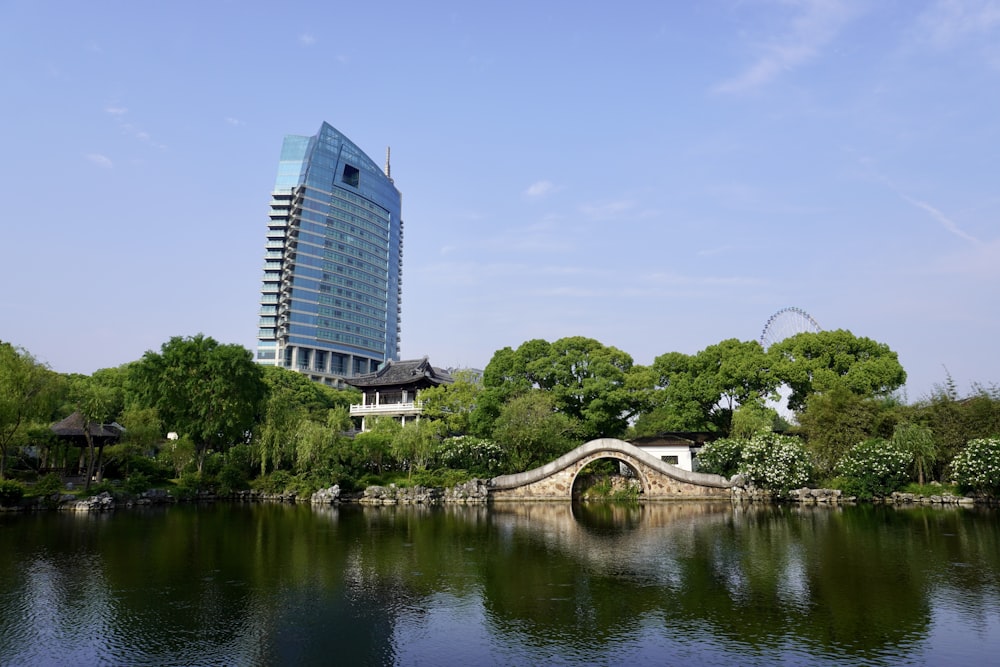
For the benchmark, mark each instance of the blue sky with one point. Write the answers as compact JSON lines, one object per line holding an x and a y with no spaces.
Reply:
{"x":658,"y":176}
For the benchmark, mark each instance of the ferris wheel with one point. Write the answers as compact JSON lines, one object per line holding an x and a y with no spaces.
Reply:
{"x":785,"y":323}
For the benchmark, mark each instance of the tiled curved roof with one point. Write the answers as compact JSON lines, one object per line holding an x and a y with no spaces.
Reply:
{"x":402,"y":373}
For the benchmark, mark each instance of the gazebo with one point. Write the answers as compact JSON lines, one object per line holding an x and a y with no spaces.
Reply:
{"x":71,"y":431}
{"x":392,"y":390}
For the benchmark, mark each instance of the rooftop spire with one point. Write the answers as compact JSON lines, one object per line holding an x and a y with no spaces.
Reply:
{"x":388,"y":169}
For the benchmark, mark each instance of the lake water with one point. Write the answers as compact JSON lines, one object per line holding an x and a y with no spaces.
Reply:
{"x":517,"y":584}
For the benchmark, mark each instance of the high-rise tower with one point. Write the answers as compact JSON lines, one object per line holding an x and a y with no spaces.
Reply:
{"x":331,"y":297}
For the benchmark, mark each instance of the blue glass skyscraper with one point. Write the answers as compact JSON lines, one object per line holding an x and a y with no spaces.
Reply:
{"x":330,"y":301}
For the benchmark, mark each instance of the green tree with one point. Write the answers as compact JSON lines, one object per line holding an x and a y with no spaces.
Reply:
{"x":98,"y":399}
{"x":956,"y":419}
{"x":818,"y":362}
{"x":587,"y":380}
{"x":752,"y":418}
{"x":413,"y":444}
{"x":452,"y":404}
{"x":532,"y":431}
{"x":375,"y":444}
{"x":835,"y":421}
{"x":207,"y":391}
{"x":292,"y":399}
{"x":701,"y":392}
{"x":27,"y":393}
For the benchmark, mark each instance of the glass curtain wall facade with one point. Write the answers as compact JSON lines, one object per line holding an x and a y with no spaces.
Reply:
{"x":330,"y":300}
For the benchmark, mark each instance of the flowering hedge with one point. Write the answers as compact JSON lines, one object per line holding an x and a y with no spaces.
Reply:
{"x":721,"y":457}
{"x":477,"y":456}
{"x":775,"y":462}
{"x":874,"y":468}
{"x":977,"y":467}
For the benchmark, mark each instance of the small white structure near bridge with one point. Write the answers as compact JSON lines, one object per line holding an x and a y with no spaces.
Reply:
{"x":676,"y":448}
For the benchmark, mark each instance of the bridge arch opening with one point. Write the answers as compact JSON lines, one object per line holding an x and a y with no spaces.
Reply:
{"x":607,"y":476}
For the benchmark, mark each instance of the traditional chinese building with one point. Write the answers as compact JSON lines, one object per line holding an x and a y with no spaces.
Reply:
{"x":392,"y":390}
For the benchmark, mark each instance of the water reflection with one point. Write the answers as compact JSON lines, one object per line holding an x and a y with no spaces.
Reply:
{"x":510,"y":584}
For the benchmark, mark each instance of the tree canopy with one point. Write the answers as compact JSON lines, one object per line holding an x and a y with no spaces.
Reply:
{"x":700,"y":392}
{"x":587,"y":381}
{"x":818,"y":362}
{"x":27,"y":392}
{"x":202,"y":389}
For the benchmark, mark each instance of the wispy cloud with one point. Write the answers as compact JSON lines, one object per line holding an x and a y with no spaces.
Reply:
{"x":539,"y":189}
{"x":307,"y":39}
{"x":235,"y":122}
{"x":949,"y":22}
{"x":945,"y":221}
{"x":119,"y":113}
{"x":608,"y":210}
{"x":100,"y":160}
{"x":815,"y":24}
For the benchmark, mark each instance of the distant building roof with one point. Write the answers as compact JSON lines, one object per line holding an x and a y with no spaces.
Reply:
{"x":402,"y":373}
{"x":72,"y":427}
{"x":692,"y":438}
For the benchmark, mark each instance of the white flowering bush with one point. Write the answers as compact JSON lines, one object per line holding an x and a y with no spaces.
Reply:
{"x":721,"y":457}
{"x":874,"y":469}
{"x":977,"y":467}
{"x":478,"y":456}
{"x":774,"y":462}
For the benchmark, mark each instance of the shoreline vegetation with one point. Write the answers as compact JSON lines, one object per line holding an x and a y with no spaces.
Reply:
{"x":200,"y":419}
{"x":473,"y":492}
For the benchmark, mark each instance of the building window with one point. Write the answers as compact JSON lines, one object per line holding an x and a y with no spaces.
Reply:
{"x":351,"y":175}
{"x":672,"y":460}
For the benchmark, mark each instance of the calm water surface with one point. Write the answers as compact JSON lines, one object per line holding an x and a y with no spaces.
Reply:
{"x":525,"y":584}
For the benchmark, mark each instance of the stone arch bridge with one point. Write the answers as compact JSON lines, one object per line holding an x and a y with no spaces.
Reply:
{"x":658,"y":480}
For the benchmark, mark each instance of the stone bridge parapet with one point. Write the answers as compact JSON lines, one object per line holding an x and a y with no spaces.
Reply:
{"x":658,"y":480}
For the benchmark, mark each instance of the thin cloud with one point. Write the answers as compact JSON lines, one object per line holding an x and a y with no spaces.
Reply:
{"x":949,"y":22}
{"x":235,"y":122}
{"x":608,"y":210}
{"x":539,"y":189}
{"x":945,"y":221}
{"x":118,"y":113}
{"x":816,"y":24}
{"x":100,"y":160}
{"x":307,"y":40}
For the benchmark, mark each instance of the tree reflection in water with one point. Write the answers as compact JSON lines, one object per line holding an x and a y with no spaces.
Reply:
{"x":511,"y":583}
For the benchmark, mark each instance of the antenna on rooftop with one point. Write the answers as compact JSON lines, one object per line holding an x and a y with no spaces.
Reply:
{"x":388,"y":169}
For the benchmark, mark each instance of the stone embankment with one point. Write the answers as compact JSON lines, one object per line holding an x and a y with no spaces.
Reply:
{"x":943,"y":499}
{"x":472,"y":492}
{"x":835,"y":497}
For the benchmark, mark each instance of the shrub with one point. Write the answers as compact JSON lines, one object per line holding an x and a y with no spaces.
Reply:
{"x":440,"y":478}
{"x":48,"y":485}
{"x":188,"y":486}
{"x":11,"y":492}
{"x":977,"y":467}
{"x":277,"y":482}
{"x":874,"y":468}
{"x":721,"y":457}
{"x":136,"y":483}
{"x":231,"y":478}
{"x":774,"y":462}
